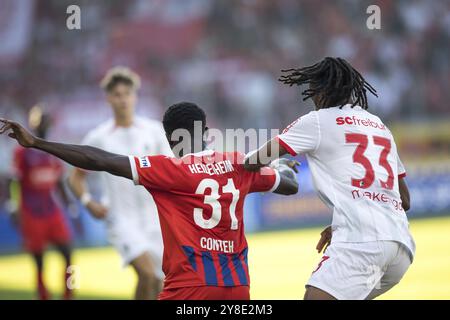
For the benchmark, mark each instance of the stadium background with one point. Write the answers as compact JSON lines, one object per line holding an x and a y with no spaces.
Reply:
{"x":226,"y":56}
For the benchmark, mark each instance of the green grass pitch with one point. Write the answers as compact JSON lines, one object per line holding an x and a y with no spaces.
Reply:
{"x":280,"y":263}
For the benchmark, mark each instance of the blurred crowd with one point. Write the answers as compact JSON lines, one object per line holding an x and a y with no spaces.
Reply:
{"x":226,"y":55}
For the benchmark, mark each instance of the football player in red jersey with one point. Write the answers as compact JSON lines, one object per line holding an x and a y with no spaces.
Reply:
{"x":200,"y":197}
{"x":36,"y":212}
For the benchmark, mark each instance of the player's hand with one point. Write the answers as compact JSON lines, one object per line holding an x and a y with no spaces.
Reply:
{"x":23,"y":136}
{"x":97,"y":210}
{"x":291,"y":164}
{"x":325,"y":239}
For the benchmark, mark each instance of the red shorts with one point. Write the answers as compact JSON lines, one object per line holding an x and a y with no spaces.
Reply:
{"x":38,"y":232}
{"x":206,"y":293}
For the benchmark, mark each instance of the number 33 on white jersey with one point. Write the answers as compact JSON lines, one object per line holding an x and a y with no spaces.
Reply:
{"x":355,"y":168}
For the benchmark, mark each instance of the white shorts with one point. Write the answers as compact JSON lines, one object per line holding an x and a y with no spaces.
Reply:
{"x":357,"y":271}
{"x":133,"y":237}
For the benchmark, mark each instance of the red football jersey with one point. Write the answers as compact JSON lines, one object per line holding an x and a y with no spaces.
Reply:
{"x":38,"y":174}
{"x":200,"y":200}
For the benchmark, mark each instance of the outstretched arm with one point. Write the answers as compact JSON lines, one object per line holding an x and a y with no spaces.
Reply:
{"x":288,"y":180}
{"x":301,"y":137}
{"x":270,"y":151}
{"x":84,"y":157}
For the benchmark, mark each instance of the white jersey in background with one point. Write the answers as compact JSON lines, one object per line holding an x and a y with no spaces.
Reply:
{"x":132,"y":221}
{"x":355,"y":168}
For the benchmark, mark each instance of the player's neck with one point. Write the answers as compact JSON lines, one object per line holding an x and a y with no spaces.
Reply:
{"x":195,"y":148}
{"x":124,"y":121}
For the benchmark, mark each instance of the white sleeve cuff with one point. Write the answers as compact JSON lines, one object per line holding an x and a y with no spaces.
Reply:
{"x":134,"y":172}
{"x":277,"y":181}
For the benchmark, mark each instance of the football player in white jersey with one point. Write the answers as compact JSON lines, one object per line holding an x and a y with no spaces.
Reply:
{"x":131,"y":220}
{"x":358,"y":174}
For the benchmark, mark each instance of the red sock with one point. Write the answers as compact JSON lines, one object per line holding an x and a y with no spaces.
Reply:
{"x":42,"y":290}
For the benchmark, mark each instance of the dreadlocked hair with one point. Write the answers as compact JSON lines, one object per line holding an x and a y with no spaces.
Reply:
{"x":334,"y":80}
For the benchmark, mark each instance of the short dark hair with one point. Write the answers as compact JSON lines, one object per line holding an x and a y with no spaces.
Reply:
{"x":117,"y":75}
{"x":334,"y":79}
{"x":182,"y":115}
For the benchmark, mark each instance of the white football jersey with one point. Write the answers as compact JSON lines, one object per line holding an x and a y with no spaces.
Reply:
{"x":355,"y":168}
{"x":123,"y":198}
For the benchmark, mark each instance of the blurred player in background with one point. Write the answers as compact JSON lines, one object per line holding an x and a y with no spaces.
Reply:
{"x":358,"y":174}
{"x":200,"y":199}
{"x":38,"y":176}
{"x":131,"y":217}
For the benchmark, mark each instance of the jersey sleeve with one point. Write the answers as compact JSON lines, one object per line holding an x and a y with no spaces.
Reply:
{"x":264,"y":180}
{"x":154,"y":172}
{"x":92,"y":139}
{"x":401,"y":168}
{"x":301,"y":136}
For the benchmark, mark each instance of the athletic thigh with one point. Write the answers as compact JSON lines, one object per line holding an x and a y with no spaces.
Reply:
{"x":394,"y":270}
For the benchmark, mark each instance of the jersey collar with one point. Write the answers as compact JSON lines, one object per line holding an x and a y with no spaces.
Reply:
{"x":206,"y":152}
